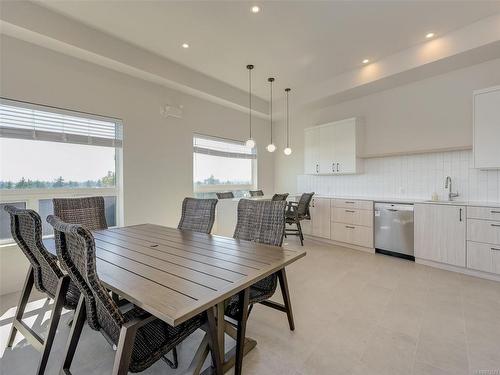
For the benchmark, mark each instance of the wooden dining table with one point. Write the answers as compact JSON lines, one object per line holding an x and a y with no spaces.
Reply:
{"x":175,"y":275}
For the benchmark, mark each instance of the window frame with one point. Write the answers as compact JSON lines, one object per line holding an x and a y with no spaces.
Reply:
{"x":223,"y":187}
{"x":32,"y":196}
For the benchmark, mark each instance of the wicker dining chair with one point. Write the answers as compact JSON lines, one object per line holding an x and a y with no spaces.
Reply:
{"x":256,"y":193}
{"x":279,"y":197}
{"x":262,"y":222}
{"x":198,"y":215}
{"x":88,"y":212}
{"x":225,"y":195}
{"x":140,"y":338}
{"x":45,"y":275}
{"x":295,"y":213}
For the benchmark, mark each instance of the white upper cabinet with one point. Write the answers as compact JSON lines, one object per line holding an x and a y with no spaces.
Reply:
{"x":312,"y":154}
{"x":486,"y":119}
{"x":333,"y":148}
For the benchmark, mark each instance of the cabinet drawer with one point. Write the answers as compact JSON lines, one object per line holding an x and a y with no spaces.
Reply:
{"x":353,"y":234}
{"x":483,"y":257}
{"x":349,"y":203}
{"x":484,"y":213}
{"x":352,"y":216}
{"x":486,"y":231}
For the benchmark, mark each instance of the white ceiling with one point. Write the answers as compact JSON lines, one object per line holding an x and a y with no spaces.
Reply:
{"x":299,"y":42}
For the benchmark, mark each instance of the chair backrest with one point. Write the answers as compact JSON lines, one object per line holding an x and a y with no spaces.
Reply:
{"x":88,"y":212}
{"x":198,"y":215}
{"x":225,"y":195}
{"x":77,"y":255}
{"x":279,"y":197}
{"x":256,"y":193}
{"x":261,"y":221}
{"x":26,"y":229}
{"x":303,"y":206}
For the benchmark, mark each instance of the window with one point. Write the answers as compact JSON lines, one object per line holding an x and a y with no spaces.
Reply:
{"x":47,"y":153}
{"x":222,"y":165}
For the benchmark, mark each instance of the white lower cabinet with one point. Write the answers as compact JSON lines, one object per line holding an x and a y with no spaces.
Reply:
{"x":440,"y":233}
{"x":483,"y":239}
{"x":483,"y":257}
{"x":352,"y":234}
{"x":319,"y":225}
{"x":352,"y":222}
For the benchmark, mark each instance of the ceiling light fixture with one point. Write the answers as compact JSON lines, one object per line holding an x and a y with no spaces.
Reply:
{"x":366,"y":61}
{"x":271,"y":147}
{"x":429,"y":35}
{"x":185,"y":45}
{"x":288,"y":150}
{"x":250,"y":142}
{"x":255,"y":9}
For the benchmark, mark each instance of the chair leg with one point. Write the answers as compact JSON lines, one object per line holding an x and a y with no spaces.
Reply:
{"x":301,"y":236}
{"x":286,"y":297}
{"x":55,"y":316}
{"x":174,"y":363}
{"x":74,"y":335}
{"x":242,"y":326}
{"x":21,"y":306}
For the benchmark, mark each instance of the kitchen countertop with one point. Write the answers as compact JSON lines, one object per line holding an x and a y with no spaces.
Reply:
{"x":408,"y":200}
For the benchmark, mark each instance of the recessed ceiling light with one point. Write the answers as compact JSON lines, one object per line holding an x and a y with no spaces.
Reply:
{"x":185,"y":45}
{"x":429,"y":35}
{"x":366,"y":61}
{"x":255,"y":9}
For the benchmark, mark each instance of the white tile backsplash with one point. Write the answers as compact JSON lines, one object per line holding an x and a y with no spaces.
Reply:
{"x":411,"y":176}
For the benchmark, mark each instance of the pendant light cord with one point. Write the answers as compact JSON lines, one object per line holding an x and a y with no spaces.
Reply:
{"x":271,"y":80}
{"x":250,"y":67}
{"x":287,"y":120}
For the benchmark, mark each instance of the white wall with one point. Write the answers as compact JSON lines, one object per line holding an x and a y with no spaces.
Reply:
{"x":157,"y":153}
{"x":431,"y":114}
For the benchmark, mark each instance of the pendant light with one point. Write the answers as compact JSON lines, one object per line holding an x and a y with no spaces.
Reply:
{"x":288,"y":150}
{"x":271,"y":147}
{"x":250,"y":142}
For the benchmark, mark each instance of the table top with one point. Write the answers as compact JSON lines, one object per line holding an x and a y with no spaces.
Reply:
{"x":175,"y":274}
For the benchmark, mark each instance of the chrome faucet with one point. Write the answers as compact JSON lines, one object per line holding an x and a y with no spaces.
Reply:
{"x":447,"y":185}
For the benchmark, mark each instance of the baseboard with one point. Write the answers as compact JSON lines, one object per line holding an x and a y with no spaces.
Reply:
{"x":338,"y":243}
{"x":465,"y":271}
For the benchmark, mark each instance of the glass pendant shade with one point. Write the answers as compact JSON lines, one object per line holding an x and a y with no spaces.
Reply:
{"x":271,"y":147}
{"x":250,"y":143}
{"x":287,"y":151}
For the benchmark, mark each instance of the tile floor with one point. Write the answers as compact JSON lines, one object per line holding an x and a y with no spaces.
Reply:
{"x":356,"y":313}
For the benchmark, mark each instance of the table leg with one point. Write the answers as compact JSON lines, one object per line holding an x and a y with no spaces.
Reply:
{"x":242,"y":326}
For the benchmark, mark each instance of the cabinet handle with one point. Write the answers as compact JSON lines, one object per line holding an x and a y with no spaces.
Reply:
{"x":494,"y":249}
{"x":337,"y":167}
{"x":348,"y":202}
{"x":460,"y":214}
{"x":333,"y":167}
{"x":349,"y":227}
{"x":495,"y":225}
{"x":495,"y":212}
{"x":350,"y":211}
{"x":317,"y":168}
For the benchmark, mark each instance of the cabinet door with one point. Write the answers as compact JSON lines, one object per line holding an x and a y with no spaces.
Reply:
{"x":487,"y":129}
{"x":321,"y":217}
{"x":326,"y":150}
{"x":440,"y":233}
{"x":311,"y":151}
{"x":344,"y":148}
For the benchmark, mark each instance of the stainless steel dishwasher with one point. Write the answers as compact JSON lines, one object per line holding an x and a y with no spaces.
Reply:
{"x":394,"y":229}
